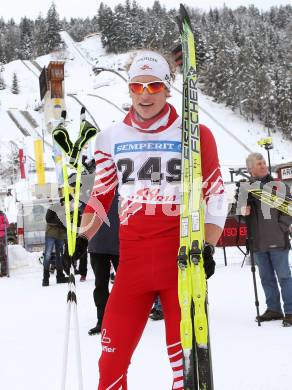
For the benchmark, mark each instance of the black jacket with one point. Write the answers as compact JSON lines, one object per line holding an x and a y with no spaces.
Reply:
{"x":54,"y":228}
{"x":106,"y":240}
{"x":266,"y":234}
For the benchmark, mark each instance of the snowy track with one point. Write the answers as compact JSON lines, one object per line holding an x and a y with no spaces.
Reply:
{"x":108,"y":101}
{"x":17,"y":122}
{"x":245,"y":356}
{"x":74,"y":49}
{"x":31,"y":69}
{"x":73,"y":96}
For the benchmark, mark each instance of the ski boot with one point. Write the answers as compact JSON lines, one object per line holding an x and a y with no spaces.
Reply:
{"x":270,"y":315}
{"x":95,"y":330}
{"x":61,"y":278}
{"x":46,"y":277}
{"x":287,"y":320}
{"x":156,"y":315}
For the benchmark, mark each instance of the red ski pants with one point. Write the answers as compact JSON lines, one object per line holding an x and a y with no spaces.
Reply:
{"x":145,"y":270}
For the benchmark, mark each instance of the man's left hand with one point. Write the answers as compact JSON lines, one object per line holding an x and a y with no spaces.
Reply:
{"x":209,"y":262}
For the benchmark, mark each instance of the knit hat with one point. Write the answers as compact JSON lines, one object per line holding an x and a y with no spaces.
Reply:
{"x":150,"y":63}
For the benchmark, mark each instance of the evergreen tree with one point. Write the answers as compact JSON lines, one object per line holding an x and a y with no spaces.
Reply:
{"x":9,"y":171}
{"x":11,"y":43}
{"x":54,"y":40}
{"x":156,"y":17}
{"x":15,"y":87}
{"x":26,"y":49}
{"x":94,"y":24}
{"x":79,"y":28}
{"x":40,"y":34}
{"x":105,"y":24}
{"x":284,"y":95}
{"x":2,"y":81}
{"x":134,"y":22}
{"x":119,"y":40}
{"x":170,"y":34}
{"x":2,"y":50}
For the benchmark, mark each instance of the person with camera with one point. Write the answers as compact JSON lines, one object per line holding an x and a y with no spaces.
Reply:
{"x":268,"y":239}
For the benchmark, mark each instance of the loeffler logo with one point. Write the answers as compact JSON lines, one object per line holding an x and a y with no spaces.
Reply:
{"x":106,"y":340}
{"x":145,"y":67}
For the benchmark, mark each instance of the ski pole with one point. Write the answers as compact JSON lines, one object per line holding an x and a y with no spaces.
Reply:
{"x":71,"y":297}
{"x":6,"y":247}
{"x":253,"y":270}
{"x":74,"y":151}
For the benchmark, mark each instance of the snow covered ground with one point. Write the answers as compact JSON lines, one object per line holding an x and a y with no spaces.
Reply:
{"x":32,"y":326}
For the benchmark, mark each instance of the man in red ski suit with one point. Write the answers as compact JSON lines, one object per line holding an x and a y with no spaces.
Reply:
{"x":143,"y":155}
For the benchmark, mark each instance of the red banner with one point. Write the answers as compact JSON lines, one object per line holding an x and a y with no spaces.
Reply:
{"x":234,"y":234}
{"x":21,"y":157}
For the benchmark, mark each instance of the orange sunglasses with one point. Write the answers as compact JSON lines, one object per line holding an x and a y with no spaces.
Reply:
{"x":151,"y":87}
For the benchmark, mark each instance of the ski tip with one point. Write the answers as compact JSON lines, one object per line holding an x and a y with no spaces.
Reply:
{"x":182,"y":8}
{"x":184,"y":14}
{"x":179,"y":23}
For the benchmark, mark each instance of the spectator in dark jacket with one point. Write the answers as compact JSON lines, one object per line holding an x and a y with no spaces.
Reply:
{"x":104,"y":250}
{"x":3,"y":244}
{"x":82,"y":267}
{"x":55,"y":236}
{"x":87,"y":180}
{"x":268,"y":236}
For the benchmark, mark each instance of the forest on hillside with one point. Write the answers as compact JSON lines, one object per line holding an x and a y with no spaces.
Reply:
{"x":244,"y":55}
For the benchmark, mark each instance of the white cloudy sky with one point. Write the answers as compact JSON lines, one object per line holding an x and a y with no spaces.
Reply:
{"x":83,"y":8}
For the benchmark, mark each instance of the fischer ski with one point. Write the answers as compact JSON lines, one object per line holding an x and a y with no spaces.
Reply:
{"x":280,"y":202}
{"x":192,"y":284}
{"x":74,"y":152}
{"x":268,"y":194}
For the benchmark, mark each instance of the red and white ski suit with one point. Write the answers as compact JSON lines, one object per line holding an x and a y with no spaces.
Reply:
{"x":146,"y":165}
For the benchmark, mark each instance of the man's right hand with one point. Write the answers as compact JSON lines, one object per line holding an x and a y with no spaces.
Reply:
{"x":81,"y":247}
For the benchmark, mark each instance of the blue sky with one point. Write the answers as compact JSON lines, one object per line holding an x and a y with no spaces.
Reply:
{"x":75,"y":8}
